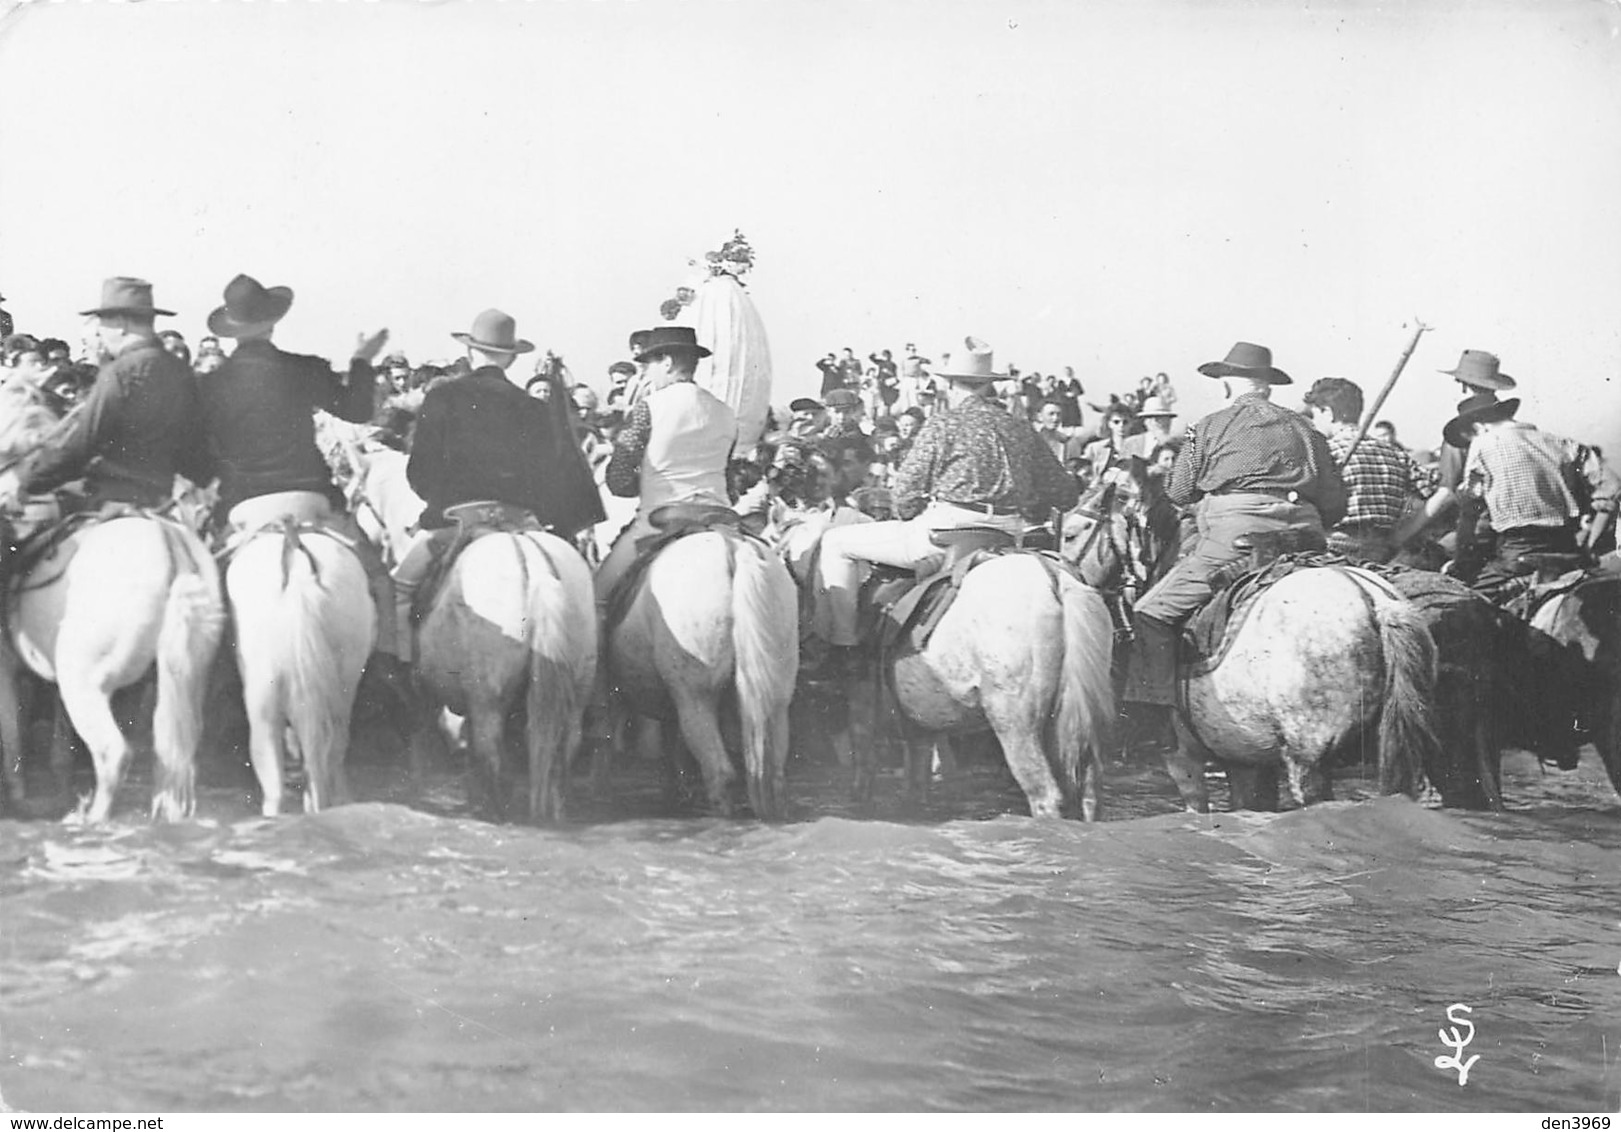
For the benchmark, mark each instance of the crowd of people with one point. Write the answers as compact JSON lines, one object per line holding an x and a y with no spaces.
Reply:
{"x":912,"y":442}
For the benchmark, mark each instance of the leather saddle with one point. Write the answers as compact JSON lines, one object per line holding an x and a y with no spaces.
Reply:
{"x":670,"y":522}
{"x":899,"y":605}
{"x":1273,"y":555}
{"x":473,"y":520}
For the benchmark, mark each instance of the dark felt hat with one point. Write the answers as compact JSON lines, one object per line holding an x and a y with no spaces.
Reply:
{"x":1477,"y":409}
{"x":249,"y":306}
{"x":663,"y":339}
{"x":1248,"y":360}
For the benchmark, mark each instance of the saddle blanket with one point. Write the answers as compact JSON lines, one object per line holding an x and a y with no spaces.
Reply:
{"x":1210,"y":632}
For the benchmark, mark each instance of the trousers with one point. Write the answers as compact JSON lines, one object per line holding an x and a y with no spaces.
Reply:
{"x":848,"y":553}
{"x":1166,"y":607}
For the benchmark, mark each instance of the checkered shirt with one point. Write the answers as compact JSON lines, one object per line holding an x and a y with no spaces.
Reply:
{"x":1379,"y":479}
{"x":1526,"y":477}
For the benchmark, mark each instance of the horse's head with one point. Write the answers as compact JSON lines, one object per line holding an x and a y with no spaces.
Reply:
{"x":1103,"y":536}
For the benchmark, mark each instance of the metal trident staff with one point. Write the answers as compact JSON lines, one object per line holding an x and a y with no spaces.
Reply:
{"x":1378,"y":402}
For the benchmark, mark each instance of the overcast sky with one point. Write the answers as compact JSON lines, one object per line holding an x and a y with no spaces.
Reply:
{"x":1124,"y":186}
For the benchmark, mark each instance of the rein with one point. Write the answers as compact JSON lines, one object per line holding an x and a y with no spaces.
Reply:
{"x":1103,"y":515}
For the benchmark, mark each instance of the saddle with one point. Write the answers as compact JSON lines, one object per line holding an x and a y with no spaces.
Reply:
{"x":670,"y":522}
{"x":901,"y":608}
{"x":1273,"y":556}
{"x":472,"y":521}
{"x":27,"y":548}
{"x":39,"y":559}
{"x":1549,"y":574}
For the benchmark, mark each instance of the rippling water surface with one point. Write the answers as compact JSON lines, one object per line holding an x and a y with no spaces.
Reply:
{"x":395,"y":955}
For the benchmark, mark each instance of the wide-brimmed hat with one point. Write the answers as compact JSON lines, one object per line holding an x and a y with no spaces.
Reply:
{"x":1477,"y":409}
{"x":1479,"y":370}
{"x":974,"y":365}
{"x":124,"y":295}
{"x":663,"y":339}
{"x":249,"y":306}
{"x":841,"y":399}
{"x":1155,"y":407}
{"x":494,"y":332}
{"x":1248,"y":360}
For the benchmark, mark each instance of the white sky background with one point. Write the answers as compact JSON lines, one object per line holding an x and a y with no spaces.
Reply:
{"x":1123,"y":186}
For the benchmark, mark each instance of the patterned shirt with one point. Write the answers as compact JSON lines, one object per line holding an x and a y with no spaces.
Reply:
{"x":1529,"y":478}
{"x":980,"y":455}
{"x":1379,"y":479}
{"x":1254,"y":445}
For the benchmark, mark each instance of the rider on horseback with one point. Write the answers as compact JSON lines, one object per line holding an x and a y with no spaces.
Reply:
{"x":258,"y":414}
{"x":972,"y":465}
{"x":1530,"y":484}
{"x":673,"y":448}
{"x":137,"y":426}
{"x":480,"y":438}
{"x":1252,"y":467}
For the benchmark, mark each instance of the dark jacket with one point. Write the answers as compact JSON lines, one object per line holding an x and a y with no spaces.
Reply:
{"x":136,"y":428}
{"x":481,"y":437}
{"x":258,"y":411}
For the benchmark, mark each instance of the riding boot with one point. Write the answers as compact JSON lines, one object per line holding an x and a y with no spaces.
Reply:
{"x":400,"y":620}
{"x":1151,"y":667}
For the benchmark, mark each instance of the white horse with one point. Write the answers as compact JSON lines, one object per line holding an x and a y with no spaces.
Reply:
{"x":374,"y":481}
{"x":305,"y":624}
{"x":95,"y":615}
{"x":512,"y":630}
{"x":711,"y":633}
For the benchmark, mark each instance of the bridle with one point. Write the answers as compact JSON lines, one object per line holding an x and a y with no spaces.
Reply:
{"x":1103,"y":513}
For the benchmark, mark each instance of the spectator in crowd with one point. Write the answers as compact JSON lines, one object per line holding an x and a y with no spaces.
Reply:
{"x":908,"y":424}
{"x":831,"y":377}
{"x":175,"y":342}
{"x":1050,"y":427}
{"x":1386,"y":431}
{"x":1112,"y":450}
{"x":617,"y":403}
{"x":210,"y":355}
{"x":5,"y":321}
{"x":15,"y":344}
{"x":808,"y":417}
{"x":1156,"y":417}
{"x":850,"y":370}
{"x":845,"y":412}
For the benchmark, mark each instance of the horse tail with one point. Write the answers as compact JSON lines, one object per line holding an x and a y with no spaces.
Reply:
{"x":1084,"y":710}
{"x":319,"y":693}
{"x":765,"y":648}
{"x":188,"y":637}
{"x":1408,"y":741}
{"x":561,"y":617}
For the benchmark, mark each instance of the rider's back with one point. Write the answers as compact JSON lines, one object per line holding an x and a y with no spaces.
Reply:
{"x":257,"y":410}
{"x":479,"y":437}
{"x":691,"y":436}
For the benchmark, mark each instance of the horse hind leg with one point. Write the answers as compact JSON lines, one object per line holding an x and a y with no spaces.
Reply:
{"x":486,"y":789}
{"x":1026,"y":755}
{"x":90,"y":708}
{"x":700,"y":729}
{"x":1184,"y":763}
{"x":1309,"y":782}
